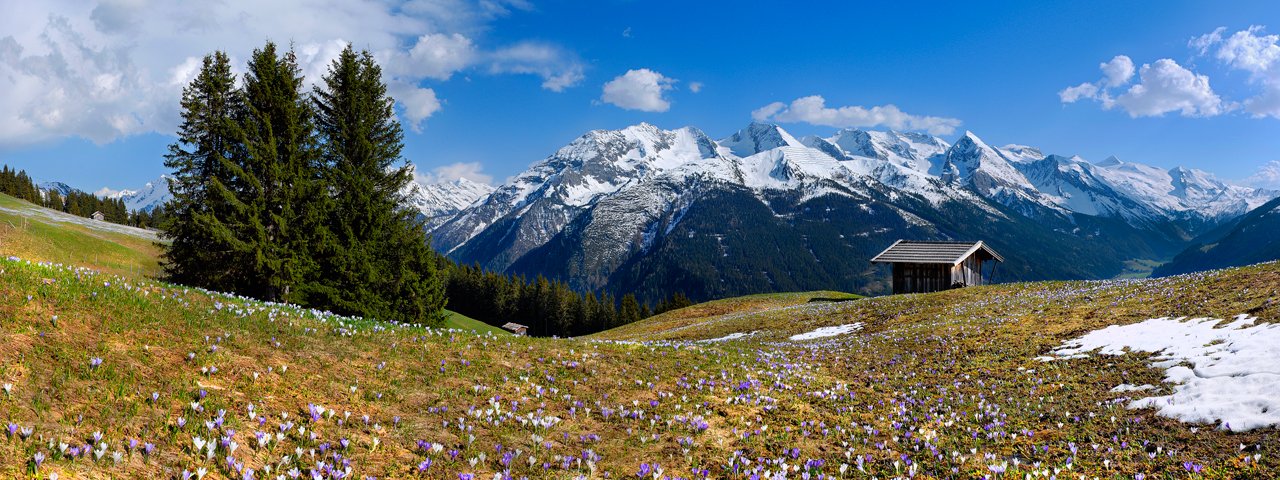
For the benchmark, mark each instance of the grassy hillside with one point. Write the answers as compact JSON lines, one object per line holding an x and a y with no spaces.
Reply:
{"x":37,"y":233}
{"x":119,"y":376}
{"x":682,"y":323}
{"x":462,"y":322}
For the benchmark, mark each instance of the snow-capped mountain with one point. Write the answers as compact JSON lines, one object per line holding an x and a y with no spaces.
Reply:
{"x":613,"y":208}
{"x":439,"y":202}
{"x":145,"y":199}
{"x":62,"y":188}
{"x":436,"y":201}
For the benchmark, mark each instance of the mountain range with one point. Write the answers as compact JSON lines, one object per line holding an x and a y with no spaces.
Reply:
{"x":145,"y":199}
{"x":654,"y":211}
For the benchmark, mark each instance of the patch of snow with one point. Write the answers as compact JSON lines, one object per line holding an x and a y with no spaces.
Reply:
{"x":824,"y":332}
{"x":731,"y":336}
{"x":1228,"y":373}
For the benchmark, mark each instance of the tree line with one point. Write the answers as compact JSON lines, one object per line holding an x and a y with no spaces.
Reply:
{"x":17,"y":184}
{"x":285,"y":194}
{"x":547,"y":307}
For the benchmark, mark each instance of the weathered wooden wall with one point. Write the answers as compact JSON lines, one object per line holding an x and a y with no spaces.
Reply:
{"x":933,"y":277}
{"x":921,"y":277}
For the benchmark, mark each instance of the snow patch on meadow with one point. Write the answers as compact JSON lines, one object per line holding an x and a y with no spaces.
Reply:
{"x":731,"y":336}
{"x":828,"y":332}
{"x":1220,"y":371}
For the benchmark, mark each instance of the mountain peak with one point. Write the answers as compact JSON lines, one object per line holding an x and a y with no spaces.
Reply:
{"x":467,"y":182}
{"x":972,"y":137}
{"x":758,"y":137}
{"x":1111,"y":161}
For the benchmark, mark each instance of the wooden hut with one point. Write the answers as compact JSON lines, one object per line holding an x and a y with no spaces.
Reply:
{"x":925,"y":266}
{"x":516,"y":328}
{"x":99,"y":216}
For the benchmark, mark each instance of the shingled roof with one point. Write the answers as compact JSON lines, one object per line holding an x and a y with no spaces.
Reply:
{"x":916,"y":251}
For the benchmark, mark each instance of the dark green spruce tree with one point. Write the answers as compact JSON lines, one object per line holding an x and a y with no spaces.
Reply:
{"x":275,"y":205}
{"x":199,"y":250}
{"x":377,"y":262}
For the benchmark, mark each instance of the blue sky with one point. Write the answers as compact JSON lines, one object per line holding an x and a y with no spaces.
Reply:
{"x":494,"y":86}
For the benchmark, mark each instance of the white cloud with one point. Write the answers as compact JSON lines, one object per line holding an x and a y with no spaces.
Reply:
{"x":1117,"y":71}
{"x":762,"y":114}
{"x":1165,"y":86}
{"x":1204,"y":42}
{"x":117,"y":68}
{"x":473,"y":171}
{"x":417,"y":104}
{"x":640,"y":89}
{"x":1248,"y":51}
{"x":695,"y":87}
{"x":813,"y":110}
{"x":1267,"y":176}
{"x":437,"y":55}
{"x":1251,"y":51}
{"x":559,"y":70}
{"x":1086,"y":90}
{"x":107,"y":192}
{"x":1267,"y":103}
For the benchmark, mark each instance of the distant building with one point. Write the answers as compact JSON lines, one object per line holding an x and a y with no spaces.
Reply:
{"x":516,"y":328}
{"x":922,"y":266}
{"x":99,"y":216}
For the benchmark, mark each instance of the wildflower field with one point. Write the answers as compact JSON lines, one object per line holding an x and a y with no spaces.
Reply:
{"x":111,"y":376}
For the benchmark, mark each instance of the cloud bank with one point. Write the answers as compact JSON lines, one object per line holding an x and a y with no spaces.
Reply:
{"x":813,"y":110}
{"x":117,"y":68}
{"x":1164,"y":86}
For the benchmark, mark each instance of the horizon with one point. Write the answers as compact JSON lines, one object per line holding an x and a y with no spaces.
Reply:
{"x":1191,"y":85}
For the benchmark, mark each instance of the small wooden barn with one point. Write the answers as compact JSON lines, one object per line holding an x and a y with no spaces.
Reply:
{"x":516,"y":328}
{"x":99,"y":216}
{"x":928,"y":266}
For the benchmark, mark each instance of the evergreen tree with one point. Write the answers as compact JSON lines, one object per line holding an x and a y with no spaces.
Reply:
{"x":199,"y":251}
{"x":275,"y":208}
{"x":53,"y":200}
{"x":377,"y":262}
{"x":629,"y":311}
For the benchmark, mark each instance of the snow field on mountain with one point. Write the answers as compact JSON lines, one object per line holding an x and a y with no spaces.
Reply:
{"x":1220,"y":372}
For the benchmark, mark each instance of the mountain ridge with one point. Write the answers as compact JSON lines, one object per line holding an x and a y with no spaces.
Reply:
{"x":608,"y":202}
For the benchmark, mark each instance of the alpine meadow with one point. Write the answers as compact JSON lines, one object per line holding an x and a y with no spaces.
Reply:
{"x":527,"y":239}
